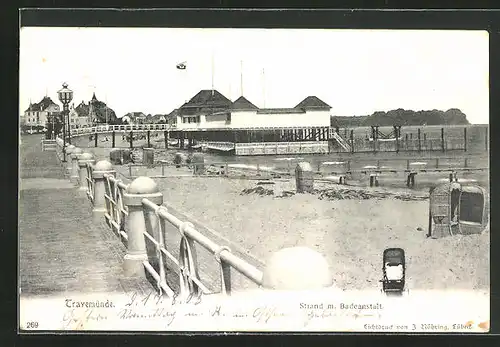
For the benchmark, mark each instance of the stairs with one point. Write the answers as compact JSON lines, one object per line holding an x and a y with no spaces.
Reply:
{"x":49,"y":145}
{"x":340,"y":140}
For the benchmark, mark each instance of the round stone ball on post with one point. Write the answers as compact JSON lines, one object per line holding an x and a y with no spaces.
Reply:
{"x":101,"y":168}
{"x":84,"y":159}
{"x":69,"y":151}
{"x":75,"y":155}
{"x":140,"y":188}
{"x":304,"y":179}
{"x":297,"y":268}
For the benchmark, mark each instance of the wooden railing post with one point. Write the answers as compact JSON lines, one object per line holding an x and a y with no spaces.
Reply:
{"x":75,"y":155}
{"x":140,"y":188}
{"x":465,"y":139}
{"x":442,"y":140}
{"x":84,"y":159}
{"x":101,"y":168}
{"x":419,"y":140}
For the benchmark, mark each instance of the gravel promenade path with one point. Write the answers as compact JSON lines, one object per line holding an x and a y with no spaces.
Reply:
{"x":61,"y":250}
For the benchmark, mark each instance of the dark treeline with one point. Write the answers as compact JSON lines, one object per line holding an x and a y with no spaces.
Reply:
{"x":403,"y":117}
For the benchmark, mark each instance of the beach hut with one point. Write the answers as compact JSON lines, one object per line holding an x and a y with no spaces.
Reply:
{"x":456,"y":209}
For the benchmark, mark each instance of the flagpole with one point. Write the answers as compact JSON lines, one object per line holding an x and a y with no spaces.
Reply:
{"x":264,"y":87}
{"x":106,"y":108}
{"x":241,"y":77}
{"x":213,"y":68}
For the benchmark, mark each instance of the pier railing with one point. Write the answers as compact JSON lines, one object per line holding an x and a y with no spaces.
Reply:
{"x":127,"y":127}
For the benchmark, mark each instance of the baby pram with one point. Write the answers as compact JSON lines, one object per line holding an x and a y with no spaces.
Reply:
{"x":393,"y":269}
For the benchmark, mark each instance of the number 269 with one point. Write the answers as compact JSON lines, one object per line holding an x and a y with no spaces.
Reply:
{"x":32,"y":325}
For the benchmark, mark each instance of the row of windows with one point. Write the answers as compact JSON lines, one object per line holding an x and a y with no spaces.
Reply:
{"x":197,"y":119}
{"x":191,"y":119}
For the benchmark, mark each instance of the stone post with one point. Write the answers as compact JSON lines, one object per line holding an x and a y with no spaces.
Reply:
{"x":84,"y":159}
{"x":297,"y":268}
{"x":69,"y":151}
{"x":198,"y":161}
{"x":140,"y":188}
{"x":101,"y":168}
{"x":304,"y":179}
{"x":75,"y":155}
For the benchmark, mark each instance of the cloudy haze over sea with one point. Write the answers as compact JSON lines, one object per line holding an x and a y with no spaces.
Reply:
{"x":357,"y":72}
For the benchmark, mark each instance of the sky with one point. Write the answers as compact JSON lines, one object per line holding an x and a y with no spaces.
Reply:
{"x":357,"y":72}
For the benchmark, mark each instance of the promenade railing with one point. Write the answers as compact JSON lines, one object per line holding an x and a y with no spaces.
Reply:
{"x":135,"y":213}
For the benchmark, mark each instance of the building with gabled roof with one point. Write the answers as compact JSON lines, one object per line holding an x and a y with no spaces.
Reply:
{"x":212,"y":110}
{"x":242,"y":103}
{"x":134,"y":118}
{"x":87,"y":114}
{"x":40,"y":113}
{"x":313,"y":103}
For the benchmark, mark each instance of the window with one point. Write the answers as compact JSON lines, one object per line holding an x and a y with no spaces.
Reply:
{"x":228,"y":117}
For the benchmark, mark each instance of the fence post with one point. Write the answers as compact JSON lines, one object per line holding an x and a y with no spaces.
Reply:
{"x":83,"y":160}
{"x":140,"y":188}
{"x":165,"y":138}
{"x":419,"y":142}
{"x":95,"y":138}
{"x":131,"y":139}
{"x":465,"y":139}
{"x":352,"y":141}
{"x":75,"y":155}
{"x":296,"y":268}
{"x":149,"y":138}
{"x":442,"y":139}
{"x":113,"y":139}
{"x":101,"y":168}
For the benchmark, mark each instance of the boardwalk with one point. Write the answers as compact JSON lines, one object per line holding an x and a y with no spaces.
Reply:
{"x":61,"y":250}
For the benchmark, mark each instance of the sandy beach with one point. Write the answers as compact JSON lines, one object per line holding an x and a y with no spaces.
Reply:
{"x":350,"y":233}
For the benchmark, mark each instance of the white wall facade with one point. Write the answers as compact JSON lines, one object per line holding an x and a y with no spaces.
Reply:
{"x":253,"y":119}
{"x":35,"y":118}
{"x":250,"y":119}
{"x":76,"y":121}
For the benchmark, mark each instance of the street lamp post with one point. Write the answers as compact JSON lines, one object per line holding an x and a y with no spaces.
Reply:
{"x":65,"y":96}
